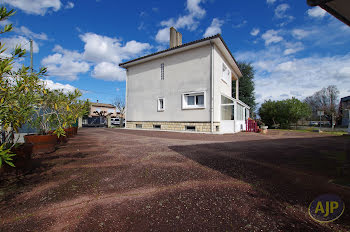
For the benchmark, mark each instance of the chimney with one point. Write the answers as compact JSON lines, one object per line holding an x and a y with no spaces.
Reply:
{"x":175,"y":38}
{"x":97,"y":101}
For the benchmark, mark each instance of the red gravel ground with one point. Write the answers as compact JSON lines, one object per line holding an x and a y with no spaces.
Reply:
{"x":128,"y":180}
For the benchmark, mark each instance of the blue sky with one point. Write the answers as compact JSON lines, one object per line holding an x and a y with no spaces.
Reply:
{"x":295,"y":50}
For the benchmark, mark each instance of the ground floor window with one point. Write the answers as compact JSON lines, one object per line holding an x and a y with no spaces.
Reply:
{"x":161,"y":104}
{"x":227,"y":109}
{"x":240,"y":112}
{"x":193,"y":100}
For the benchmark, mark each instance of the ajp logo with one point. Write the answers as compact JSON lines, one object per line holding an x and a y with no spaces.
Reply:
{"x":326,"y":208}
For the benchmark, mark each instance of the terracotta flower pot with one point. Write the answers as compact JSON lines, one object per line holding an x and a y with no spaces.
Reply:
{"x":61,"y":139}
{"x":42,"y":143}
{"x":69,"y":132}
{"x":75,"y":130}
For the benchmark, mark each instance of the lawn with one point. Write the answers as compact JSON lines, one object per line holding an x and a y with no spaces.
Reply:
{"x":130,"y":180}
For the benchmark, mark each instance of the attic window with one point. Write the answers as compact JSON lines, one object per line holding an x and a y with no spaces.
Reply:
{"x":162,"y":71}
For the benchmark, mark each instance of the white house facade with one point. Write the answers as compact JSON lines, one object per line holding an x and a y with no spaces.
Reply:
{"x":185,"y":88}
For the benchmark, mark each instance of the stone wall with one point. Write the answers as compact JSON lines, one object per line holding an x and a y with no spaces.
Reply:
{"x":174,"y":126}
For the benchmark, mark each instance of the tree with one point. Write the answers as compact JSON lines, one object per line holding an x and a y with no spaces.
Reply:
{"x":283,"y":113}
{"x":18,"y":93}
{"x":246,"y":85}
{"x":120,"y":104}
{"x":325,"y":100}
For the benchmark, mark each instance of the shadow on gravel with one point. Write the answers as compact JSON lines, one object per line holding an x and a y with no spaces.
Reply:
{"x":34,"y":173}
{"x":292,"y":171}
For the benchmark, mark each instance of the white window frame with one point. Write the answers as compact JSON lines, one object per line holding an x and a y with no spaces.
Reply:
{"x":226,"y":78}
{"x":184,"y":101}
{"x":158,"y":104}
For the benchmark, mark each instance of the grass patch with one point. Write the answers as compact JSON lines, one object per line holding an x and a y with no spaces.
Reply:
{"x":313,"y":130}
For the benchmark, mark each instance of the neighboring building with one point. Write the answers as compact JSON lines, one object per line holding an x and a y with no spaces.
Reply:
{"x":186,"y":87}
{"x":344,"y":108}
{"x":108,"y":108}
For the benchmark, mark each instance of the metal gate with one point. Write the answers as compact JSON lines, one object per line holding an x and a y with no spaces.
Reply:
{"x":95,"y":121}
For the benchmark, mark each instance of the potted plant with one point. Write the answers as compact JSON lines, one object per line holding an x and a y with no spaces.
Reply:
{"x":17,"y":97}
{"x":263,"y":128}
{"x":73,"y":109}
{"x":46,"y":118}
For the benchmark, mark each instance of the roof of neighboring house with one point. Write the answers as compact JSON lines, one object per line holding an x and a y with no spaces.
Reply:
{"x":102,"y":105}
{"x":344,"y":99}
{"x":155,"y":55}
{"x":338,"y":8}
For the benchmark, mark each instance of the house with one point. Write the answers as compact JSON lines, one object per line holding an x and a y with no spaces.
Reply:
{"x":99,"y":107}
{"x":344,"y":108}
{"x":187,"y":87}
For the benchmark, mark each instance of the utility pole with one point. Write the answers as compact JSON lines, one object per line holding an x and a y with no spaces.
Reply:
{"x":31,"y":55}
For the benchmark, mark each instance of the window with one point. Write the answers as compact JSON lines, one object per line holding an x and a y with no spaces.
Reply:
{"x":162,"y":71}
{"x":240,"y":112}
{"x":193,"y":100}
{"x":156,"y":127}
{"x":161,"y":104}
{"x":227,"y":108}
{"x":138,"y":125}
{"x":190,"y":128}
{"x":226,"y":73}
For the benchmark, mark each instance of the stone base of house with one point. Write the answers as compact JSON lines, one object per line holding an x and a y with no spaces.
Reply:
{"x":174,"y":126}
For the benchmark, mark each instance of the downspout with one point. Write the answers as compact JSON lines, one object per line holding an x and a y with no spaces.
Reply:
{"x":126,"y":98}
{"x":212,"y":87}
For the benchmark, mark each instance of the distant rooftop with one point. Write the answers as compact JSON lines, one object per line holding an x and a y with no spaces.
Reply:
{"x":102,"y":105}
{"x":344,"y":99}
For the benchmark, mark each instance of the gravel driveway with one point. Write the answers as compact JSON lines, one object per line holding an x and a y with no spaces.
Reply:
{"x":129,"y":180}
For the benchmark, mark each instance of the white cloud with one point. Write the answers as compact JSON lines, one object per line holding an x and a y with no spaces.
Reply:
{"x":188,"y":21}
{"x":102,"y":52}
{"x":108,"y":71}
{"x":214,"y":28}
{"x":292,"y":48}
{"x":58,"y":86}
{"x":12,"y":42}
{"x":163,"y":35}
{"x":280,"y":11}
{"x":65,"y":64}
{"x":69,"y":5}
{"x":316,"y":12}
{"x":255,"y":31}
{"x":27,"y":32}
{"x":300,"y":33}
{"x":100,"y":48}
{"x":38,"y":7}
{"x":270,"y":1}
{"x":271,"y":36}
{"x":298,"y":77}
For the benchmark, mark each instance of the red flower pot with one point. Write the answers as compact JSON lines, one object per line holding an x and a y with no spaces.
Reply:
{"x":69,"y":132}
{"x":42,"y":143}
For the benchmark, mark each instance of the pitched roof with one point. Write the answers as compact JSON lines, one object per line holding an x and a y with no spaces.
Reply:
{"x":102,"y":105}
{"x":181,"y":46}
{"x":344,"y":99}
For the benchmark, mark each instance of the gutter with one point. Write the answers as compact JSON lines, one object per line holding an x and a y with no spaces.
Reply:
{"x":212,"y":87}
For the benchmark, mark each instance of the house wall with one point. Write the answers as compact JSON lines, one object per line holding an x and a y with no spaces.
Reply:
{"x":220,"y":87}
{"x":188,"y":71}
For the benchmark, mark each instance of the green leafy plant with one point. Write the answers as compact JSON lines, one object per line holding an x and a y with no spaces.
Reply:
{"x":18,"y":92}
{"x":5,"y":156}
